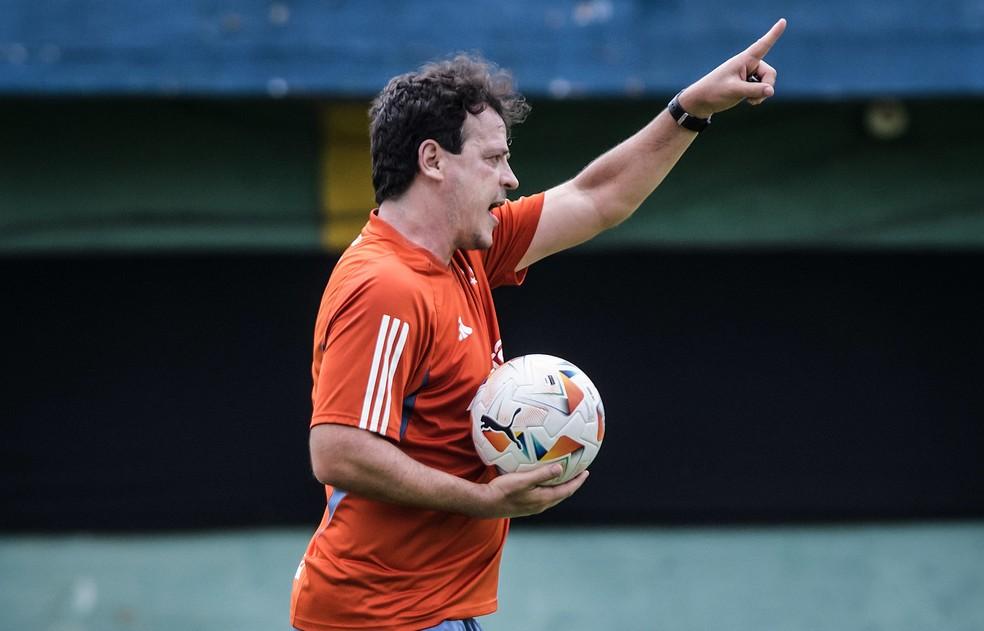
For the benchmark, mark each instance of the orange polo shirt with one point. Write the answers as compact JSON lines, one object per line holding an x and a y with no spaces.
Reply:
{"x":402,"y":343}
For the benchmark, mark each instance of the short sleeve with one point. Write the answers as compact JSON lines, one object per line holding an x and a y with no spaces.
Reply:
{"x":372,"y":341}
{"x":511,"y":239}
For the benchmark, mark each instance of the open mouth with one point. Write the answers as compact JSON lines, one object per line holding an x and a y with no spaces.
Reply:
{"x":496,"y":204}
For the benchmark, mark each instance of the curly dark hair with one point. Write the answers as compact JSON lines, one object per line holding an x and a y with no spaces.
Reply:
{"x":433,"y":103}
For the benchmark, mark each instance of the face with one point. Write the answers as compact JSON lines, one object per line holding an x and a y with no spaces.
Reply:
{"x":478,"y":178}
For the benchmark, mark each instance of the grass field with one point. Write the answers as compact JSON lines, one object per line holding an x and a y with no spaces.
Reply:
{"x":873,"y":577}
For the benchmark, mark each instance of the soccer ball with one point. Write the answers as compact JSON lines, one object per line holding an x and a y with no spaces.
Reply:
{"x":534,"y":410}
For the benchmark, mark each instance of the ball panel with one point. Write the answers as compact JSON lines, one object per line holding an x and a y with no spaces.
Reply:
{"x":531,"y":416}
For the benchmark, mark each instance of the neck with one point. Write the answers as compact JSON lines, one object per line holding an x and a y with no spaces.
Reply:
{"x":416,"y":220}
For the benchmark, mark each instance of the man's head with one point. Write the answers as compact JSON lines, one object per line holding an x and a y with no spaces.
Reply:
{"x":433,"y":104}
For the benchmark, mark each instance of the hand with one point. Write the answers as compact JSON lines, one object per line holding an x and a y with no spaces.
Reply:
{"x":519,"y":494}
{"x":729,"y":84}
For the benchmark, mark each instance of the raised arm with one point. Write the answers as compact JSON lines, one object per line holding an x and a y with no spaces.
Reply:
{"x":614,"y":185}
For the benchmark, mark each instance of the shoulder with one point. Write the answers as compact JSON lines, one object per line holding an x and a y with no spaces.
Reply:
{"x":518,"y":223}
{"x":526,"y":206}
{"x":369,"y":274}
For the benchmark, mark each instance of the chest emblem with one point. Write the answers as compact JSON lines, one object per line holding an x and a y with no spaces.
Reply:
{"x":463,"y":330}
{"x":471,"y":275}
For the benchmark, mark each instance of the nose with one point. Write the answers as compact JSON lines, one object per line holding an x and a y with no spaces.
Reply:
{"x":508,"y":178}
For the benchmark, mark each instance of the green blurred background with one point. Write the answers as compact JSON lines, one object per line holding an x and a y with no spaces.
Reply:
{"x":142,"y":175}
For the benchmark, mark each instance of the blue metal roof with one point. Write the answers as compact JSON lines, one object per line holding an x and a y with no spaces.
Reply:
{"x":563,"y":48}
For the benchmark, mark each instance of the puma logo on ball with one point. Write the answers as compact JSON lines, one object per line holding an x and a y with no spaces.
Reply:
{"x":490,"y":423}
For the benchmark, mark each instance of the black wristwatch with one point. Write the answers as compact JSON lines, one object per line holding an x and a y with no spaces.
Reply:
{"x":685,"y":120}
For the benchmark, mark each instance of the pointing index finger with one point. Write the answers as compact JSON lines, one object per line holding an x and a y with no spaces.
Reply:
{"x":761,"y":47}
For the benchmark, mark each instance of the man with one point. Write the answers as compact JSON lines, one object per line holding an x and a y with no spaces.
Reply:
{"x":407,"y":331}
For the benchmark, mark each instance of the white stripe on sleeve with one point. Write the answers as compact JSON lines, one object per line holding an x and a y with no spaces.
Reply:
{"x":389,"y":380}
{"x":373,"y":376}
{"x":383,"y":373}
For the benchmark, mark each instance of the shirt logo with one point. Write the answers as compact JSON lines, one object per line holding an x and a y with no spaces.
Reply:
{"x":497,"y":358}
{"x":471,"y":275}
{"x":463,"y":331}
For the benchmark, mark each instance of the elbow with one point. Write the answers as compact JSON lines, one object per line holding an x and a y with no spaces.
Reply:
{"x":614,"y":216}
{"x":329,"y":469}
{"x":327,"y":465}
{"x":612,"y":211}
{"x":621,"y":208}
{"x":322,"y":470}
{"x":614,"y":220}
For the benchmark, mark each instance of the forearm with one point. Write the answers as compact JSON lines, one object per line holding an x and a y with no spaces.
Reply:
{"x":368,"y":465}
{"x":622,"y":178}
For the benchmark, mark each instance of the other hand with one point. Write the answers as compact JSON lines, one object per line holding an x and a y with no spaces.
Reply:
{"x":519,"y":494}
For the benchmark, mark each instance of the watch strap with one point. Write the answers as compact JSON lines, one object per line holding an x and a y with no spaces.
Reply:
{"x":685,"y":119}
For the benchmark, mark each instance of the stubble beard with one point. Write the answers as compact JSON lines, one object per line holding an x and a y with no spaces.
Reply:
{"x":479,"y":240}
{"x":480,"y":237}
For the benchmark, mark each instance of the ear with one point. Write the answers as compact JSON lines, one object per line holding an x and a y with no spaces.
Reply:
{"x":430,"y":159}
